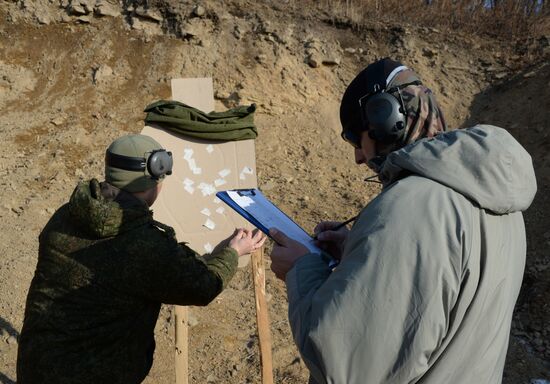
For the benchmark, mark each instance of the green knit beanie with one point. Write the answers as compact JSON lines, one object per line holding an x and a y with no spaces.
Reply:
{"x":137,"y":146}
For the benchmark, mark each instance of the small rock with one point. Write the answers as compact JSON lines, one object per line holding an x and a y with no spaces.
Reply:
{"x":43,"y":18}
{"x":500,"y":76}
{"x":77,"y":9}
{"x":261,"y":58}
{"x":83,"y":19}
{"x":350,"y":50}
{"x":314,"y":44}
{"x":18,"y":211}
{"x":199,"y":10}
{"x":148,"y":14}
{"x":222,"y":95}
{"x":102,"y":74}
{"x":237,"y":32}
{"x":88,"y":5}
{"x":190,"y":30}
{"x":106,"y":9}
{"x":11,"y":340}
{"x":58,"y":121}
{"x":332,"y":61}
{"x":314,"y":61}
{"x":211,"y":379}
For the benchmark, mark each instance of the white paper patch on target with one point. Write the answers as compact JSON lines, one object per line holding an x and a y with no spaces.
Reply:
{"x":207,"y":189}
{"x":245,"y":171}
{"x":209,"y":224}
{"x":219,"y":182}
{"x":224,"y":172}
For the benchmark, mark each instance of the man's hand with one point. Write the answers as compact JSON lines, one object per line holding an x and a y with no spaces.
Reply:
{"x":331,"y":241}
{"x":285,"y":253}
{"x":246,"y":241}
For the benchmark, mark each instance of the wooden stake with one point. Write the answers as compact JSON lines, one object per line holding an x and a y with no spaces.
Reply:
{"x":182,"y":352}
{"x":262,"y":317}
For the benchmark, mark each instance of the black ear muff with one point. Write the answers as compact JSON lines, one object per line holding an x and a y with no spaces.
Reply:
{"x":160,"y":163}
{"x":385,"y":117}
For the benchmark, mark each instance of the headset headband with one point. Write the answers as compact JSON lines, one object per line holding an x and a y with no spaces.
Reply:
{"x":128,"y":163}
{"x":159,"y":163}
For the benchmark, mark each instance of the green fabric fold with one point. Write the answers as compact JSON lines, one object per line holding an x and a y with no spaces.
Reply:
{"x":234,"y":124}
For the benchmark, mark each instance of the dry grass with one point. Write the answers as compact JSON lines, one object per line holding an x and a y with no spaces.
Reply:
{"x":504,"y":18}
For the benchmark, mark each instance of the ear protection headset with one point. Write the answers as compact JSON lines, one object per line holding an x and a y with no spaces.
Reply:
{"x":158,"y":163}
{"x":384,"y":114}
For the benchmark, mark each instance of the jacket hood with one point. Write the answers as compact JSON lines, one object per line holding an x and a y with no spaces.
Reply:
{"x":484,"y":163}
{"x":102,"y":210}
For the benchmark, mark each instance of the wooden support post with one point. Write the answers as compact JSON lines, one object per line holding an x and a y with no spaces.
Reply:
{"x":182,"y":352}
{"x":262,"y":317}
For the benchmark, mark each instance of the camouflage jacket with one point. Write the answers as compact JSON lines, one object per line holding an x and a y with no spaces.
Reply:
{"x":104,"y":268}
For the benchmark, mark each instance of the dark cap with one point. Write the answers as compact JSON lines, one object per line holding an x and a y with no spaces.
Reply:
{"x":374,"y":74}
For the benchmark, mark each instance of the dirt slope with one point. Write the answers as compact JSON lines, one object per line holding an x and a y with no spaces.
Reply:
{"x":72,"y":80}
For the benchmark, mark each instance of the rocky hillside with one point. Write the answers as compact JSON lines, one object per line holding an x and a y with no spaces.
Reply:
{"x":74,"y":75}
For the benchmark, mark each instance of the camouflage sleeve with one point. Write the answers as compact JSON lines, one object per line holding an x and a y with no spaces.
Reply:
{"x":223,"y":263}
{"x":158,"y":268}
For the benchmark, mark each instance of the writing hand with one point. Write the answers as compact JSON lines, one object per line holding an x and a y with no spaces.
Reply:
{"x":329,"y":240}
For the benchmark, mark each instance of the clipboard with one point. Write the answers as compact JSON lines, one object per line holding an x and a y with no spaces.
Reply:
{"x":263,"y":214}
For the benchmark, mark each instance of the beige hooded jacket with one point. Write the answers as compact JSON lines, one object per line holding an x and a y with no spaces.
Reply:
{"x":430,"y":272}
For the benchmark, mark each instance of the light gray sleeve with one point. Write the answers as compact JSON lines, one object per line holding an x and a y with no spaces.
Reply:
{"x":383,"y":314}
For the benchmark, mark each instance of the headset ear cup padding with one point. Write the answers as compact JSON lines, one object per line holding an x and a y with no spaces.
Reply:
{"x":386,"y":120}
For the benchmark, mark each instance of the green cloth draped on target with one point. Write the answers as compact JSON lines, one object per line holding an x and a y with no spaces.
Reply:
{"x":234,"y":124}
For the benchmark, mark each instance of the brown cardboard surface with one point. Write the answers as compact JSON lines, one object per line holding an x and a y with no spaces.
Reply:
{"x":187,"y":201}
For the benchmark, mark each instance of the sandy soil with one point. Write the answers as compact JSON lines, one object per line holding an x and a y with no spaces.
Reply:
{"x":71,"y":81}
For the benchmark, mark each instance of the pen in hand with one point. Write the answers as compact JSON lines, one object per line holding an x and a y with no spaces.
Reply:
{"x":338,"y":226}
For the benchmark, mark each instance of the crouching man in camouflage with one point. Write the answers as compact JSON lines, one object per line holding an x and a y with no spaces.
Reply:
{"x":104,"y":268}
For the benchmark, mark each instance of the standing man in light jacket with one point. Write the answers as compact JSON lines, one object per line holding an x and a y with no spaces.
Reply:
{"x":431,"y":269}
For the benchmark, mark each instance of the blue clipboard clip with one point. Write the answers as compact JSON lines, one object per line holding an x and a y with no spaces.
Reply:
{"x":243,"y":192}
